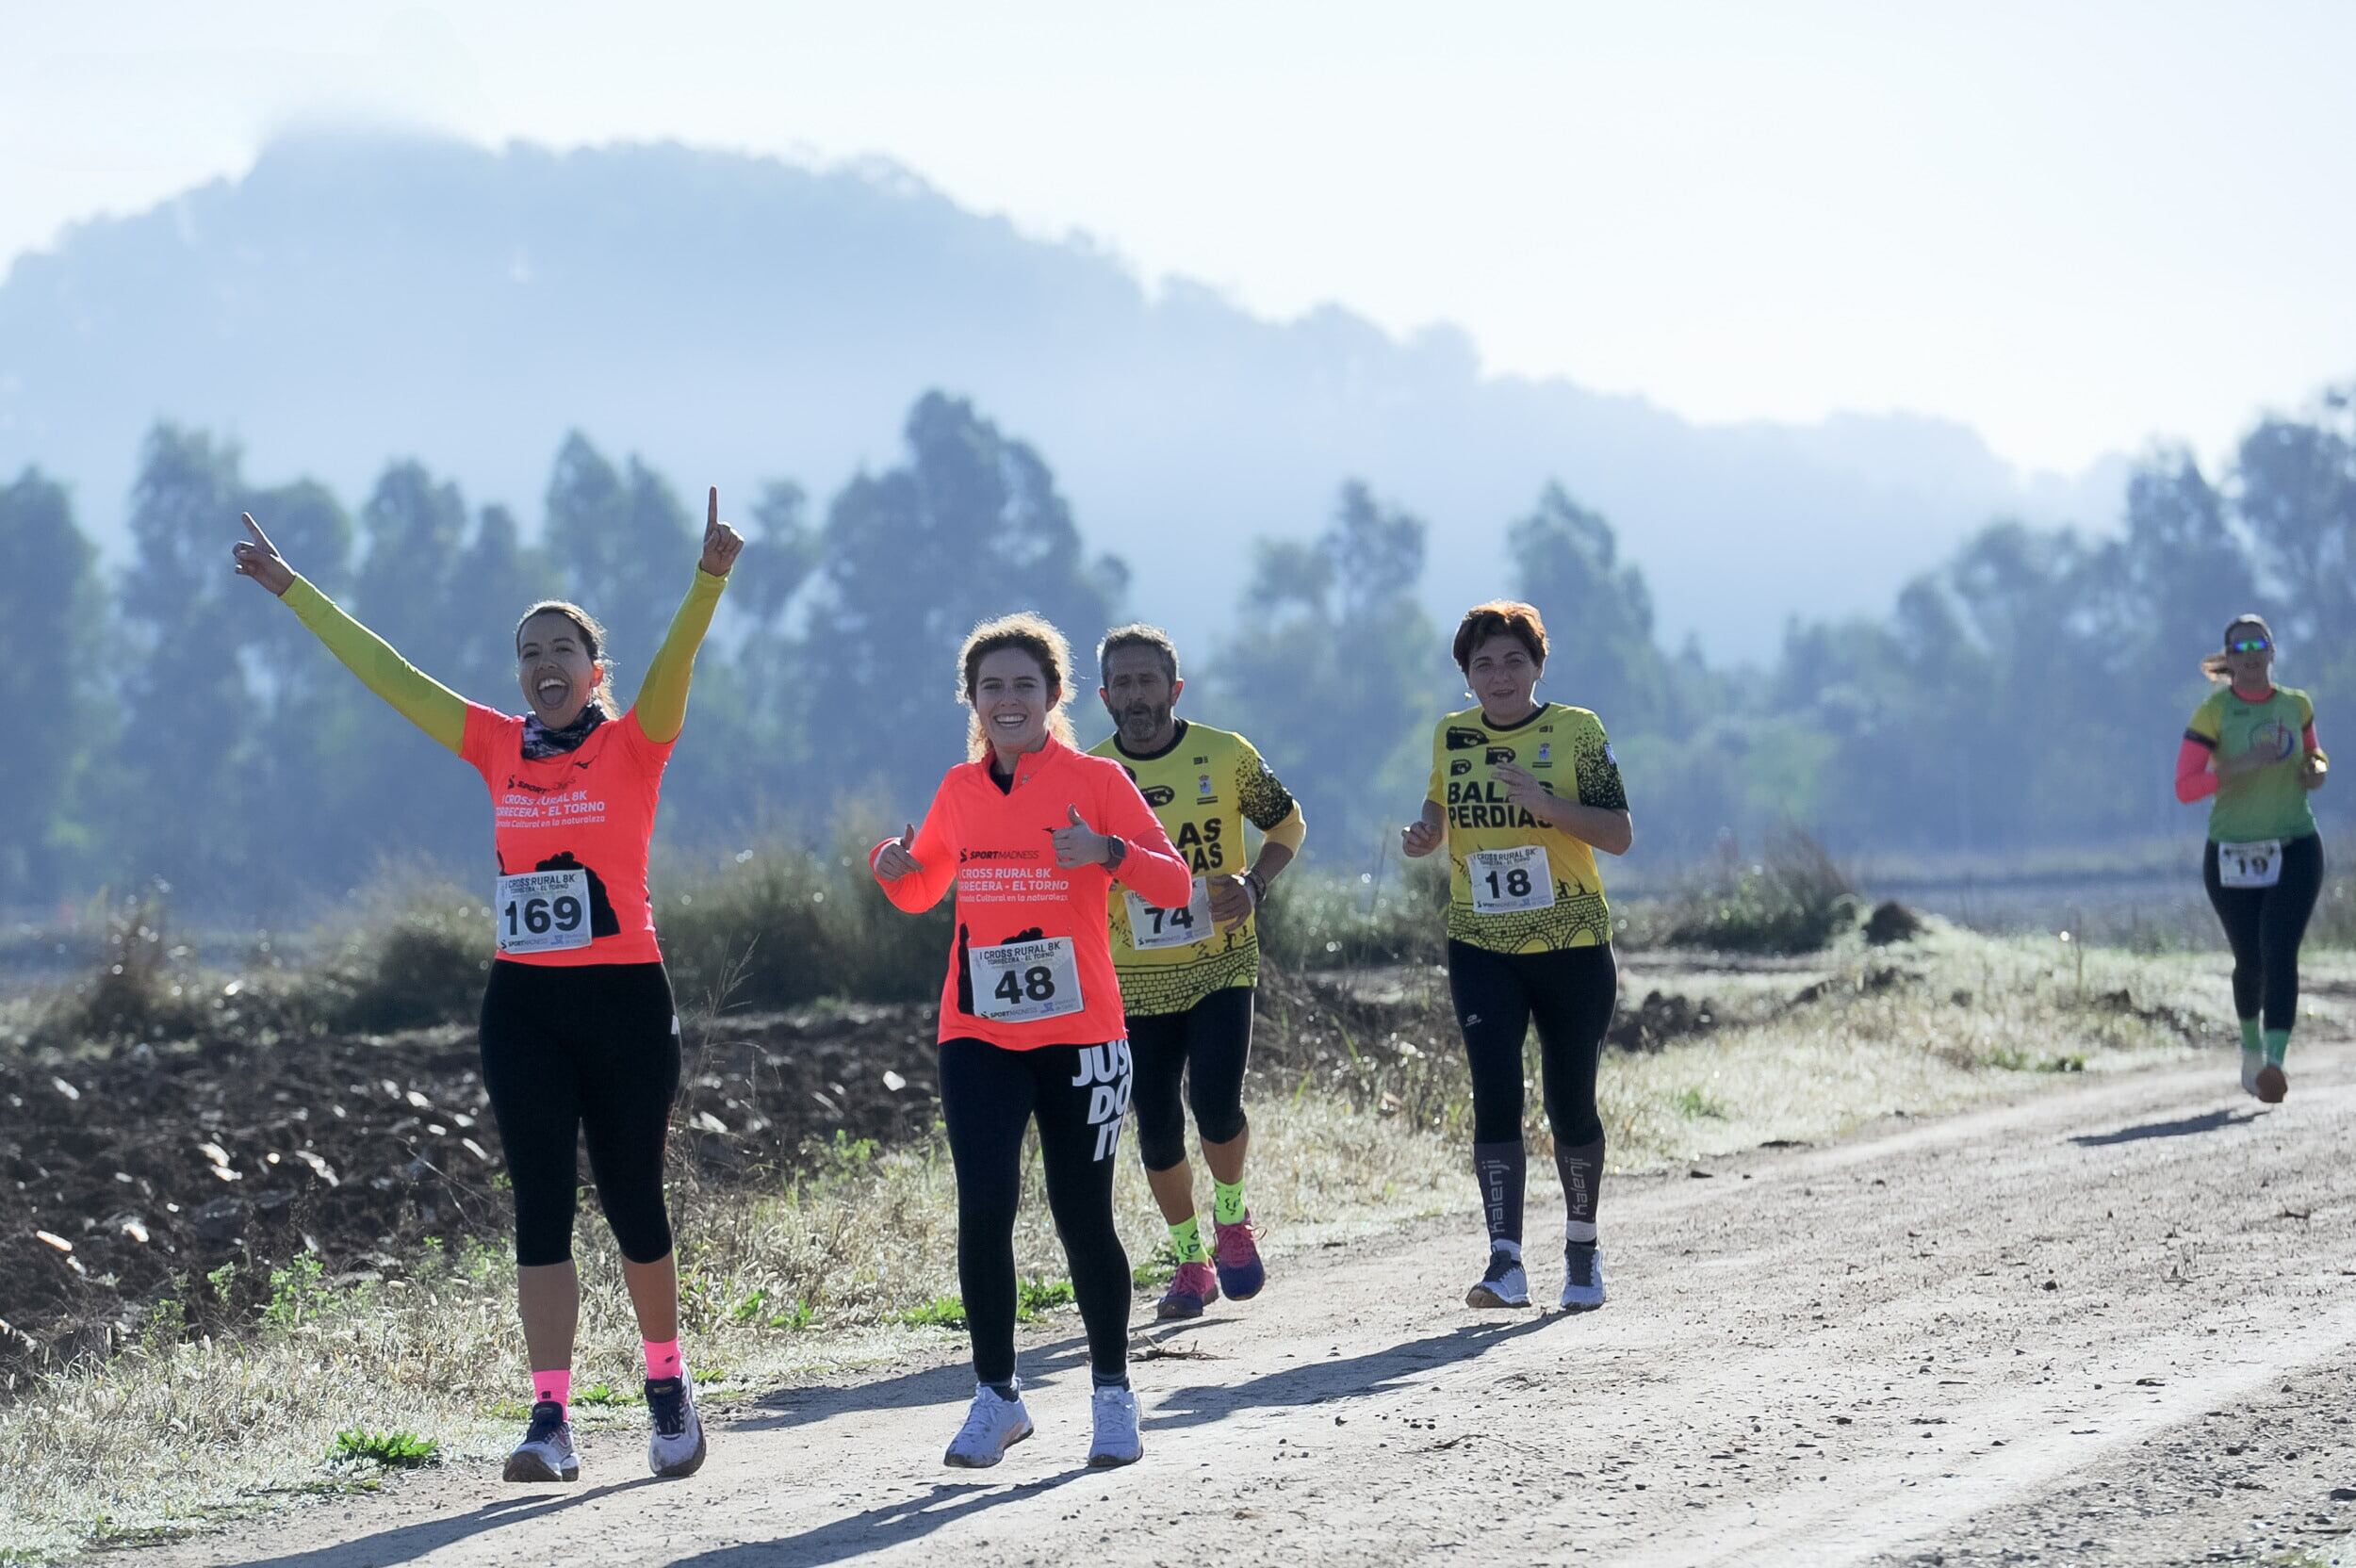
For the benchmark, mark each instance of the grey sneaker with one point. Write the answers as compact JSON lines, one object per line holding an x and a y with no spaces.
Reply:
{"x":1116,"y":1441}
{"x":1503,"y":1285}
{"x":676,"y":1447}
{"x":1583,"y":1276}
{"x":993,"y":1425}
{"x":547,"y":1452}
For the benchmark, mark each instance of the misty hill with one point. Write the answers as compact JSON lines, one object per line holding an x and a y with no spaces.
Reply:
{"x":735,"y":319}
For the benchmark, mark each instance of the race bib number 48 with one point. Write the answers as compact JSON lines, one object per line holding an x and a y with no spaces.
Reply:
{"x":542,"y":911}
{"x":1151,"y":926}
{"x":1508,"y":881}
{"x":1022,"y":982}
{"x":2258,"y":864}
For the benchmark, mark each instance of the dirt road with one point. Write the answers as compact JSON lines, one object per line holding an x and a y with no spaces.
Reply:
{"x":2112,"y":1322}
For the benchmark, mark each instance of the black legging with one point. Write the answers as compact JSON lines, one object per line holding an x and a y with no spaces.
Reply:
{"x":2264,"y":925}
{"x":582,"y":1054}
{"x":1080,"y":1094}
{"x":1570,"y":994}
{"x":1209,"y":1043}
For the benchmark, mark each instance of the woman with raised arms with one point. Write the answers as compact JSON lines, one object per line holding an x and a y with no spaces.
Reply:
{"x":579,"y":1038}
{"x":1033,"y":834}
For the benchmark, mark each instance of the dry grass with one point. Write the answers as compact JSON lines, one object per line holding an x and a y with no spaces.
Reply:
{"x":816,"y":1278}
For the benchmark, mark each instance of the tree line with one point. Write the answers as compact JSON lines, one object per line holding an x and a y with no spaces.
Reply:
{"x":2023,"y":697}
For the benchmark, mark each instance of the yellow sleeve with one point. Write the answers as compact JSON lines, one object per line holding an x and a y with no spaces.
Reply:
{"x":413,"y":694}
{"x":662,"y":706}
{"x":1265,"y":802}
{"x":2208,"y":720}
{"x":1436,"y":792}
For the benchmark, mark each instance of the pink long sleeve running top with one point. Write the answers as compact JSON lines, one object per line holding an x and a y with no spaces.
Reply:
{"x":1032,"y":965}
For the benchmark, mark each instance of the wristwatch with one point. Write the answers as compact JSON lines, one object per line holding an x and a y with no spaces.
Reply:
{"x":1256,"y":885}
{"x":1114,"y":851}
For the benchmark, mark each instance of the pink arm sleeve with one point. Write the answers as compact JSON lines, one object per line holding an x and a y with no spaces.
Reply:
{"x":2309,"y":736}
{"x":2194,"y":780}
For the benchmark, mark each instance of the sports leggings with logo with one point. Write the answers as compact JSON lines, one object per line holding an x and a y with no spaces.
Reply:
{"x":588,"y":1054}
{"x":2265,"y":926}
{"x":1569,"y":994}
{"x":1079,"y":1093}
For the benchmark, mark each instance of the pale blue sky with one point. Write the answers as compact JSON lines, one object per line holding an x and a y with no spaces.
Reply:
{"x":2071,"y":226}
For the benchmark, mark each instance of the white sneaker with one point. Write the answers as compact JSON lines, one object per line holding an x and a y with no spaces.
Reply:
{"x":2251,"y":1061}
{"x":1503,"y":1285}
{"x":1583,"y":1276}
{"x":1116,"y":1441}
{"x":675,"y":1447}
{"x":993,"y":1425}
{"x":547,"y":1452}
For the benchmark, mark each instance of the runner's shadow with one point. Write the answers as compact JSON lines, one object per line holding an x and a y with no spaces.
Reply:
{"x":888,"y":1524}
{"x":1353,"y":1377}
{"x":936,"y":1385}
{"x":2208,"y":1122}
{"x":410,"y":1541}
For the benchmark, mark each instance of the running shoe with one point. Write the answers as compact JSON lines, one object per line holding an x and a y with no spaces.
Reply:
{"x":2252,"y":1063}
{"x":1503,"y":1285}
{"x":547,"y":1452}
{"x":675,"y":1447}
{"x":1237,"y":1253}
{"x":993,"y":1425}
{"x":2272,"y":1084}
{"x":1189,"y":1292}
{"x":1583,"y":1276}
{"x":1116,"y":1441}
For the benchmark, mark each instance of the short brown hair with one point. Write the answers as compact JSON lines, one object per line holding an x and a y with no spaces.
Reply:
{"x":1035,"y":635}
{"x":1136,"y":634}
{"x":592,"y":637}
{"x":1510,"y":616}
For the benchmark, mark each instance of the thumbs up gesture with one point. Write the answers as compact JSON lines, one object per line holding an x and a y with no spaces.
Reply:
{"x":893,"y":862}
{"x":1078,"y":844}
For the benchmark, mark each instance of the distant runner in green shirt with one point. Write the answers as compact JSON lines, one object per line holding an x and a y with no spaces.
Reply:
{"x":2251,"y":751}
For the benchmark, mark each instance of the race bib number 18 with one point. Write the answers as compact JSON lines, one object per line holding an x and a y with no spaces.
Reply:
{"x":542,"y":911}
{"x":1022,"y":982}
{"x":2258,"y":864}
{"x":1151,"y":926}
{"x":1508,"y":881}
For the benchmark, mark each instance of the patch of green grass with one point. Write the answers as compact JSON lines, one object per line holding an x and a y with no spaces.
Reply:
{"x":1154,"y":1272}
{"x":394,"y":1450}
{"x":603,"y":1394}
{"x":1693,"y":1104}
{"x":941,"y":1311}
{"x":1035,"y":1299}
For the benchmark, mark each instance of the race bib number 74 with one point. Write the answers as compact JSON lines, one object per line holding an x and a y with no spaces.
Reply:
{"x":1151,"y":926}
{"x":1022,"y":982}
{"x":542,"y":911}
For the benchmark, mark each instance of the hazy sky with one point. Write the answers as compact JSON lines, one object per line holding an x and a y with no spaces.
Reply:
{"x":2072,"y":226}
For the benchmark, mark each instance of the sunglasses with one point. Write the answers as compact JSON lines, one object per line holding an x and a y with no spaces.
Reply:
{"x":2248,"y":644}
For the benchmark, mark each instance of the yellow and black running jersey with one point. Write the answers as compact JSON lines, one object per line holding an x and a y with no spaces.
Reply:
{"x":1204,"y":786}
{"x":1515,"y":885}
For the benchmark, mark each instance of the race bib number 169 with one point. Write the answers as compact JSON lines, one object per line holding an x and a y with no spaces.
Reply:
{"x":542,"y":911}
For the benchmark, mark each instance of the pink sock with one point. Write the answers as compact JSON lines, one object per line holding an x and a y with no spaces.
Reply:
{"x":663,"y":1360}
{"x":556,"y":1385}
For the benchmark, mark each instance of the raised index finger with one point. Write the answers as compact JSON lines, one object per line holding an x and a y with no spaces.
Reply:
{"x":711,"y":518}
{"x":256,"y":529}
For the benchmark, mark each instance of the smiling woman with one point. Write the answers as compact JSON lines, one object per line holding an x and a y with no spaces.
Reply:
{"x":1031,"y":1017}
{"x":579,"y":1038}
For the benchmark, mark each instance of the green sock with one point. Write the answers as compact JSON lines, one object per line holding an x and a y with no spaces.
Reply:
{"x":2278,"y":1041}
{"x":1227,"y":1202}
{"x":2250,"y":1036}
{"x":1186,"y":1239}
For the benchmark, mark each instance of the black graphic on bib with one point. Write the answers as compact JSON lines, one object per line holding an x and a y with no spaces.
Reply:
{"x":603,"y":921}
{"x":965,"y":967}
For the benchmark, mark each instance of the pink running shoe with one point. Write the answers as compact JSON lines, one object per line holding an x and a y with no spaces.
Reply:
{"x":1238,"y":1254}
{"x":1188,"y":1293}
